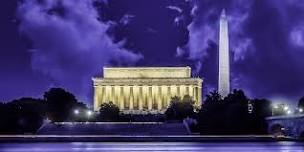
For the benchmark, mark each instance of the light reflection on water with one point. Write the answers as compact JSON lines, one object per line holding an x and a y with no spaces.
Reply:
{"x":154,"y":146}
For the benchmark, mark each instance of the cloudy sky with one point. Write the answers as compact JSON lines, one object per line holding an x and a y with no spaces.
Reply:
{"x":63,"y":43}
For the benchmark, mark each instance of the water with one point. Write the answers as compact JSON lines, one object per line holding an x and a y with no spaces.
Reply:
{"x":153,"y":146}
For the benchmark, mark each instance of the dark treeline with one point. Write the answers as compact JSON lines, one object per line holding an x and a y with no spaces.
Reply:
{"x":21,"y":116}
{"x":234,"y":114}
{"x":180,"y":108}
{"x":26,"y":115}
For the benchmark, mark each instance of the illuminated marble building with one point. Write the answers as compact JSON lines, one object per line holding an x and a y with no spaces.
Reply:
{"x":145,"y":89}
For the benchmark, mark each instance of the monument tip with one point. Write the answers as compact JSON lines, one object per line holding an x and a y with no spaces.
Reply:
{"x":223,"y":14}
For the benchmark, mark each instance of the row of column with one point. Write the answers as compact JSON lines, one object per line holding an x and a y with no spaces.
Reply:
{"x":143,"y":97}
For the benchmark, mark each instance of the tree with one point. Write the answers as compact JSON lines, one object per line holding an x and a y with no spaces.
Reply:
{"x":224,"y":116}
{"x":214,"y":96}
{"x":261,"y":110}
{"x":237,"y":115}
{"x":81,"y":114}
{"x":237,"y":96}
{"x":109,"y":111}
{"x":212,"y":115}
{"x":180,"y":108}
{"x":24,"y":115}
{"x":60,"y":104}
{"x":301,"y":103}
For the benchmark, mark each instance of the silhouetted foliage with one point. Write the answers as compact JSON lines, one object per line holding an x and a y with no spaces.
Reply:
{"x":237,"y":112}
{"x":231,"y":116}
{"x":180,"y":108}
{"x":82,"y":110}
{"x":213,"y":97}
{"x":261,"y":110}
{"x":24,"y":115}
{"x":301,"y":103}
{"x":217,"y":116}
{"x":109,"y":111}
{"x":212,"y":115}
{"x":60,"y":104}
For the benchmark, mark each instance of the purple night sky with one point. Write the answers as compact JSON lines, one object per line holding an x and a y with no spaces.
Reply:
{"x":50,"y":43}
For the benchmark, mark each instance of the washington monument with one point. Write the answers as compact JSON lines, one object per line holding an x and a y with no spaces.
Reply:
{"x":224,"y":69}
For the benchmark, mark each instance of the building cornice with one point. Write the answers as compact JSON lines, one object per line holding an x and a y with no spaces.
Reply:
{"x":150,"y":68}
{"x":151,"y":82}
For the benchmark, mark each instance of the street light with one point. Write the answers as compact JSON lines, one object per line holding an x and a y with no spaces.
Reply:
{"x":89,"y":113}
{"x":274,"y":108}
{"x":288,"y":112}
{"x":286,"y":108}
{"x":300,"y":110}
{"x":76,"y":111}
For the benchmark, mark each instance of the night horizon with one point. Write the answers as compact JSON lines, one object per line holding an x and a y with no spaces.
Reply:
{"x":64,"y":44}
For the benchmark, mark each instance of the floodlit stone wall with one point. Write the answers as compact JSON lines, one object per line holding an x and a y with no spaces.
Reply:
{"x":145,"y":90}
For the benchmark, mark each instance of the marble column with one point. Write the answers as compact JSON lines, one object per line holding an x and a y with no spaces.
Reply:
{"x":146,"y":95}
{"x":169,"y":95}
{"x":141,"y":99}
{"x":150,"y":98}
{"x":174,"y":90}
{"x":182,"y":91}
{"x":154,"y":95}
{"x":199,"y":96}
{"x":126,"y":97}
{"x":108,"y":93}
{"x":96,"y":97}
{"x":164,"y":96}
{"x":136,"y":97}
{"x":112,"y":95}
{"x":191,"y":92}
{"x":121,"y":98}
{"x":159,"y":99}
{"x":102,"y":95}
{"x":187,"y":90}
{"x":116,"y":95}
{"x":131,"y":98}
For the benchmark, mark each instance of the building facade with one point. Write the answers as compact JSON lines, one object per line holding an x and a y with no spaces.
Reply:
{"x":145,"y":89}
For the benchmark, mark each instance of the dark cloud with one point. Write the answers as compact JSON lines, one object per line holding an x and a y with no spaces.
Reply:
{"x":153,"y":28}
{"x":204,"y":33}
{"x":70,"y":45}
{"x":275,"y":68}
{"x":266,"y":39}
{"x":70,"y":41}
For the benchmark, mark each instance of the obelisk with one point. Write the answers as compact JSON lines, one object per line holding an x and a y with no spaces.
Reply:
{"x":224,"y":70}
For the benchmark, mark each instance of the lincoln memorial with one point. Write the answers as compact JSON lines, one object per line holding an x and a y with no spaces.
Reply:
{"x":145,"y":89}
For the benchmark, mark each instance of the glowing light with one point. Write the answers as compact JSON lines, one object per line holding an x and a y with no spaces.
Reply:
{"x":288,"y":112}
{"x":89,"y":113}
{"x":286,"y":108}
{"x":300,"y":110}
{"x":76,"y":111}
{"x":275,"y":106}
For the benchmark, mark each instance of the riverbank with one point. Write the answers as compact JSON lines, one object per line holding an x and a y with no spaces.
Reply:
{"x":154,"y":146}
{"x":119,"y":138}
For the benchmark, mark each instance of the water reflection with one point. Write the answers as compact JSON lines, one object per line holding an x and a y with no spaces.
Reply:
{"x":154,"y":146}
